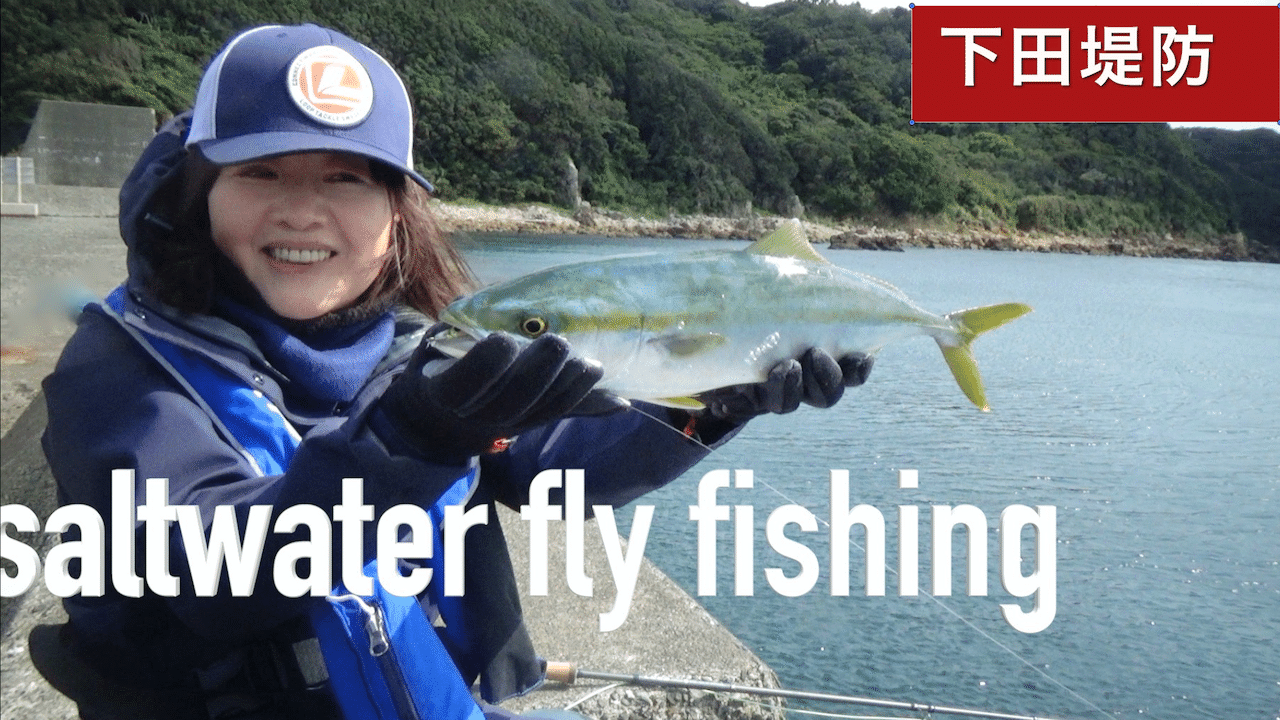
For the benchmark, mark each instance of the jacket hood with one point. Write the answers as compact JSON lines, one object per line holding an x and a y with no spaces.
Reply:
{"x":142,"y":225}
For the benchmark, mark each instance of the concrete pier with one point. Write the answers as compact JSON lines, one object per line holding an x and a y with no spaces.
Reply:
{"x":667,"y":632}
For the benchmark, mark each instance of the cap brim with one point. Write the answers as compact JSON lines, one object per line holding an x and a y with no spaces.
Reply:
{"x":251,"y":147}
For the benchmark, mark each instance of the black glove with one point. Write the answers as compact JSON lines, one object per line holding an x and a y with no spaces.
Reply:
{"x":816,"y":379}
{"x":498,"y":389}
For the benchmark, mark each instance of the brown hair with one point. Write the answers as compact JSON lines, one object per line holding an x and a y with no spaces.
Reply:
{"x":424,"y":266}
{"x":423,"y":270}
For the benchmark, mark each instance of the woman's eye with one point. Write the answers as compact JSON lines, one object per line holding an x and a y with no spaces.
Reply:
{"x":256,"y":172}
{"x":348,"y":177}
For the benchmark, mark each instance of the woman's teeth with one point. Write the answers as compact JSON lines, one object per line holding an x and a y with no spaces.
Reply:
{"x":299,"y":257}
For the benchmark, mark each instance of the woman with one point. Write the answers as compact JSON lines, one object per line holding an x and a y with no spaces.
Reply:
{"x":270,"y":341}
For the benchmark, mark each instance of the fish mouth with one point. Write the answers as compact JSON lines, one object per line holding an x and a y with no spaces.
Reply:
{"x":456,"y":340}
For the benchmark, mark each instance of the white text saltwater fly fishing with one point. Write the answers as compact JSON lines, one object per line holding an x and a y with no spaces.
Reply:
{"x":79,"y":567}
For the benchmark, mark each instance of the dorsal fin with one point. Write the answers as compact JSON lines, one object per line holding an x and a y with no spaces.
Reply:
{"x":787,"y":241}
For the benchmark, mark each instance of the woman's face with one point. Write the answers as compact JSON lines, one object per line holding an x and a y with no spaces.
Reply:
{"x":310,"y":230}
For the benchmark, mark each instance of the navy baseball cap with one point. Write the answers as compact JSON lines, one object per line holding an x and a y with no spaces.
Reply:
{"x":281,"y":89}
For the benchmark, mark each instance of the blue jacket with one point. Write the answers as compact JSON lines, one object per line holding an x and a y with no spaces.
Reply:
{"x":112,"y":406}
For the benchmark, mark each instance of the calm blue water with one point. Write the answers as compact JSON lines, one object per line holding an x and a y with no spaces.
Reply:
{"x":1141,"y":399}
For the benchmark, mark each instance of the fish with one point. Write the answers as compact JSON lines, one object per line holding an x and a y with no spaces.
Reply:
{"x":666,"y":327}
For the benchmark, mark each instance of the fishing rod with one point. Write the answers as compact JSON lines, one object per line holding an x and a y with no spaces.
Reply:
{"x":568,"y":674}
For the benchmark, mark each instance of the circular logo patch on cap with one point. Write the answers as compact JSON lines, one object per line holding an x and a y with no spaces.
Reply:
{"x":330,"y":85}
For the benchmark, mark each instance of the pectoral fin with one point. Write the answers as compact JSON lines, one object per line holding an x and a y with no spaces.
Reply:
{"x":685,"y":345}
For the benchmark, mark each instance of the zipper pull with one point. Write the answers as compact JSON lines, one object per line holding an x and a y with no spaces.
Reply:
{"x":375,"y":623}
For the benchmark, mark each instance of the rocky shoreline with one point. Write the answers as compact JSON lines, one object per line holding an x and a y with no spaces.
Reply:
{"x":470,"y":218}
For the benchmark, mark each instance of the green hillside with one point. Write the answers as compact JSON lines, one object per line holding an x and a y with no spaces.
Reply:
{"x":677,"y":106}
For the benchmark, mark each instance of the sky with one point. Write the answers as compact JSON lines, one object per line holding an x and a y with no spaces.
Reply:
{"x":874,"y":5}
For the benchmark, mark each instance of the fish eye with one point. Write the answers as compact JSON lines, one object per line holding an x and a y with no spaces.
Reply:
{"x":533,"y":326}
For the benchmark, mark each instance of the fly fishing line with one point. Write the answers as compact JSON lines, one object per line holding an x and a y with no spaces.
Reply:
{"x":927,"y":594}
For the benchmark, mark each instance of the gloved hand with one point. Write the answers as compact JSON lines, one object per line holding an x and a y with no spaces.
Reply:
{"x":815,"y":378}
{"x":458,"y":407}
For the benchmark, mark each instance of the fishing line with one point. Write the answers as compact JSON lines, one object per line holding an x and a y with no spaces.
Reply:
{"x":568,"y":673}
{"x":788,"y":710}
{"x":592,"y":694}
{"x":926,"y":593}
{"x":827,"y":713}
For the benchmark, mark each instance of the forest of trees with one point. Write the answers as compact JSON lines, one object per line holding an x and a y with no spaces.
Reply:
{"x":676,"y":106}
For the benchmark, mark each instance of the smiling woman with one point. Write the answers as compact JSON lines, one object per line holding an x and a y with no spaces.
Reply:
{"x":310,"y":231}
{"x":269,"y":356}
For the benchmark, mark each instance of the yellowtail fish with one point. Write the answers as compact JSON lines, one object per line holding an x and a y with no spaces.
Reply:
{"x":666,"y":327}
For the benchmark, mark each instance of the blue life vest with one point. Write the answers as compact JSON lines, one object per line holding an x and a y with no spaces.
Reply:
{"x":383,"y":657}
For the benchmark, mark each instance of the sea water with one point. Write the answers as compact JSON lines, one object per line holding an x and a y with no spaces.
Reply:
{"x":1141,"y":400}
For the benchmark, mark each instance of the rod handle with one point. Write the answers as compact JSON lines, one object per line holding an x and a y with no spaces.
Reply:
{"x":562,"y":672}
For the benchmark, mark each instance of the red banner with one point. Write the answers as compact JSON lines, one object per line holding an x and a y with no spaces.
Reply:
{"x":1095,"y":64}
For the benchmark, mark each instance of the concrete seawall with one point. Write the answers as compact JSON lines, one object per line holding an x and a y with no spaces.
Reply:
{"x":62,"y":200}
{"x":667,"y":632}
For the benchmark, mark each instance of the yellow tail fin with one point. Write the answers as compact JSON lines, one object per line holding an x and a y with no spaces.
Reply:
{"x":971,"y":324}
